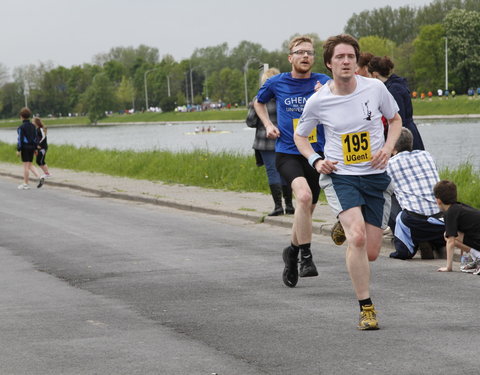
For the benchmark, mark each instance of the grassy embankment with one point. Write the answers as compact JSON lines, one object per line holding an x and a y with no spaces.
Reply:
{"x":222,"y":171}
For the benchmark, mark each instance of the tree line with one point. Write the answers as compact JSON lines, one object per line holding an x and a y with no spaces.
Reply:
{"x":132,"y":78}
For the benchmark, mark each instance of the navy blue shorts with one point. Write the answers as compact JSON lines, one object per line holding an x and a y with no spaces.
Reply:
{"x":372,"y":193}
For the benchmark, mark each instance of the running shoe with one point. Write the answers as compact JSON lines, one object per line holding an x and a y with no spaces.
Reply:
{"x":368,"y":318}
{"x":338,"y":234}
{"x":470,"y":267}
{"x":307,"y":267}
{"x":40,"y":182}
{"x":23,"y":187}
{"x":290,"y":273}
{"x":477,"y":271}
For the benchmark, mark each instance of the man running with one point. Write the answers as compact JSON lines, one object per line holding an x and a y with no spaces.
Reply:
{"x":353,"y":172}
{"x":291,"y":91}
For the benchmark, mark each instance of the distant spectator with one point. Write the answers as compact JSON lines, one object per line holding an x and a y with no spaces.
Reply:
{"x":27,"y":147}
{"x":440,"y":92}
{"x":453,"y":93}
{"x":42,"y":147}
{"x":414,"y":95}
{"x":422,"y":95}
{"x":382,"y":69}
{"x":430,"y":94}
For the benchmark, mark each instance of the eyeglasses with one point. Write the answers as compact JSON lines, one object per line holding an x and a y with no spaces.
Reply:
{"x":302,"y":52}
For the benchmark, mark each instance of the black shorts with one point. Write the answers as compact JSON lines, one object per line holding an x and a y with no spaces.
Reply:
{"x":27,"y":154}
{"x":291,"y":166}
{"x":41,"y":156}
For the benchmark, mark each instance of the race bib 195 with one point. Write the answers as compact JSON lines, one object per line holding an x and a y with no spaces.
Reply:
{"x":356,"y":148}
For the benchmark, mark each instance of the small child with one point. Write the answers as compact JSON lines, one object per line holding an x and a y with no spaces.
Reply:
{"x":462,"y":222}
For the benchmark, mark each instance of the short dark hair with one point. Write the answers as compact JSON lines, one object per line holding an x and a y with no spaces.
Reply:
{"x":446,"y":191}
{"x":404,"y":141}
{"x":334,"y":41}
{"x":382,"y":65}
{"x":25,"y":113}
{"x":364,"y":59}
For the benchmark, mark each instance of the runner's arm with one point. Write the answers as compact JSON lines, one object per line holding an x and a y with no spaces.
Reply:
{"x":262,"y":113}
{"x":380,"y":159}
{"x":314,"y":159}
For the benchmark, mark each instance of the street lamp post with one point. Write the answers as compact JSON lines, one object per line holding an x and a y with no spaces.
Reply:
{"x":446,"y":64}
{"x":186,"y":87}
{"x":145,"y":82}
{"x":245,"y":69}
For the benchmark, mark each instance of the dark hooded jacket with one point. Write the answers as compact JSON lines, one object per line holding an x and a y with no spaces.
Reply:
{"x":27,"y":136}
{"x":397,"y":86}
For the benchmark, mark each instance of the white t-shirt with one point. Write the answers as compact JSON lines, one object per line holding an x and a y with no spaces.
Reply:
{"x":353,"y":123}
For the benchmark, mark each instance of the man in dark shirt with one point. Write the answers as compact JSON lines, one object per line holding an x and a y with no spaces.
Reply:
{"x":26,"y":148}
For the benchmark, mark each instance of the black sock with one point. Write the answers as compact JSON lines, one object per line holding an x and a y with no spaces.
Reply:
{"x":365,"y":302}
{"x":305,"y":250}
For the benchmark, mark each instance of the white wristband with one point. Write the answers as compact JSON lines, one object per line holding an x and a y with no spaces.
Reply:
{"x":313,"y":158}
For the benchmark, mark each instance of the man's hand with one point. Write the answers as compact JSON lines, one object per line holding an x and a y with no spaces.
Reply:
{"x":444,"y":269}
{"x":18,"y":153}
{"x":272,"y":131}
{"x":326,"y":166}
{"x":380,"y":159}
{"x":318,"y":86}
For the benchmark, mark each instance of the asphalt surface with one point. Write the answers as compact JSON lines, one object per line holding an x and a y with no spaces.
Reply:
{"x":95,"y":285}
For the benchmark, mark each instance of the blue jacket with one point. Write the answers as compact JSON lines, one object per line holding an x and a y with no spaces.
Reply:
{"x":399,"y":90}
{"x":27,"y":136}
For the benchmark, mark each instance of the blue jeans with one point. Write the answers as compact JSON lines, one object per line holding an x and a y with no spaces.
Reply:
{"x":273,"y":176}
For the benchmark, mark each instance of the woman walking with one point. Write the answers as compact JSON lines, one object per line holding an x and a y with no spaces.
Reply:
{"x":42,"y":146}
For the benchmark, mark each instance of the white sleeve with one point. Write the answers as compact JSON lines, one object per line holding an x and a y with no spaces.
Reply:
{"x":309,"y":119}
{"x":43,"y":135}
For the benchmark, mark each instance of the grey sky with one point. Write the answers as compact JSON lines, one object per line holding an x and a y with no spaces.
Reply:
{"x":71,"y":32}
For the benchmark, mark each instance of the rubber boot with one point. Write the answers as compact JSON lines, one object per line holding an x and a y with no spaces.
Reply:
{"x":276,"y":190}
{"x":287,"y":197}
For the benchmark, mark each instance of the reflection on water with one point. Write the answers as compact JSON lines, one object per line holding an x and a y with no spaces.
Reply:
{"x":449,"y":141}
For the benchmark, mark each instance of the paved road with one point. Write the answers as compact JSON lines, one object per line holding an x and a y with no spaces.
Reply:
{"x":99,"y":286}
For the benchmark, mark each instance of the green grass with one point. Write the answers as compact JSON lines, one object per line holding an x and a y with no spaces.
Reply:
{"x":226,"y":171}
{"x":461,"y":105}
{"x":467,"y":181}
{"x":198,"y":168}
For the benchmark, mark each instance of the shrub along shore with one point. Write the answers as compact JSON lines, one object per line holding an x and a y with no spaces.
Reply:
{"x":227,"y":171}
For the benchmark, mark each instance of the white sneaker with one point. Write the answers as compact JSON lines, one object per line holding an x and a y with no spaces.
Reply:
{"x":47,"y":175}
{"x":23,"y":187}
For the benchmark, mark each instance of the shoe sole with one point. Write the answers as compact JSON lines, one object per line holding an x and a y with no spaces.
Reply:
{"x":311,"y":273}
{"x":368,"y":328}
{"x":286,"y":273}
